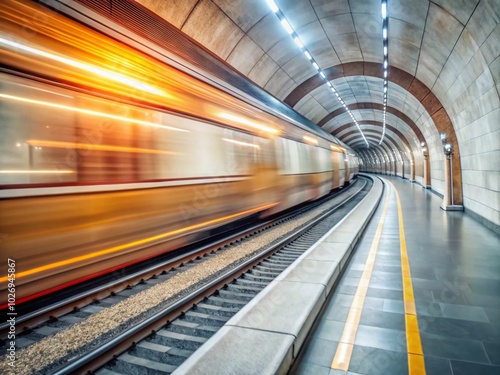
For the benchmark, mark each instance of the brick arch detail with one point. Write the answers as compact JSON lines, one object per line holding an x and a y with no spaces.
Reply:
{"x":375,"y":106}
{"x":407,"y":81}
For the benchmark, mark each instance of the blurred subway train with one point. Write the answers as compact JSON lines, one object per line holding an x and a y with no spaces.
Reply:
{"x":109,"y":156}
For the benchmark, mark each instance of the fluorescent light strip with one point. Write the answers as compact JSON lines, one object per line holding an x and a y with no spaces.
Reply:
{"x":273,"y":6}
{"x":385,"y":41}
{"x":88,"y":112}
{"x":284,"y":22}
{"x":246,"y":144}
{"x":287,"y":26}
{"x":108,"y":74}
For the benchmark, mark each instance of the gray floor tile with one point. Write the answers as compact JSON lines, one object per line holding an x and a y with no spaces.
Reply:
{"x":389,"y":257}
{"x":393,"y":306}
{"x":381,"y":275}
{"x":453,"y":348}
{"x":320,"y":352}
{"x":387,"y":262}
{"x":493,"y":352}
{"x":330,"y":330}
{"x":381,"y":338}
{"x":383,"y":319}
{"x":463,"y":329}
{"x":341,"y":299}
{"x":390,"y":248}
{"x":347,"y":289}
{"x":426,"y":308}
{"x":493,"y":315}
{"x":484,"y":286}
{"x":483,"y":300}
{"x":373,"y":303}
{"x":467,"y":368}
{"x":484,"y":270}
{"x":474,"y":313}
{"x":422,"y":295}
{"x":447,"y":273}
{"x":422,"y":272}
{"x":385,"y":293}
{"x":354,"y":273}
{"x":373,"y":361}
{"x":356,"y":266}
{"x":338,"y":372}
{"x":450,"y":297}
{"x":310,"y":369}
{"x":392,"y":269}
{"x":437,"y":366}
{"x":336,"y":312}
{"x":352,"y":281}
{"x":426,"y":284}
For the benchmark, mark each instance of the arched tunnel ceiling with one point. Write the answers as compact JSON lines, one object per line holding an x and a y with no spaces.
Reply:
{"x":430,"y":44}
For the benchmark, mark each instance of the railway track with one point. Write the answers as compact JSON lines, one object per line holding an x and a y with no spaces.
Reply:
{"x":161,"y":342}
{"x":75,"y":299}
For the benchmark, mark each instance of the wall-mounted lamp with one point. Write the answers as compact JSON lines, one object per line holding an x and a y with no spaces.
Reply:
{"x":447,"y":148}
{"x":448,"y":199}
{"x":424,"y":148}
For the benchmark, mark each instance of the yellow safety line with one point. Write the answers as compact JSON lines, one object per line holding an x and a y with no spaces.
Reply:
{"x":344,"y":350}
{"x":416,"y":364}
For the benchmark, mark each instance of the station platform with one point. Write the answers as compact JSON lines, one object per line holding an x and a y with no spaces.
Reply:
{"x":418,"y":292}
{"x":421,"y":295}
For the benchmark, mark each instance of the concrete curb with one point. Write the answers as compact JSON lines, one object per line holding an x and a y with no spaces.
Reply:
{"x":266,"y":335}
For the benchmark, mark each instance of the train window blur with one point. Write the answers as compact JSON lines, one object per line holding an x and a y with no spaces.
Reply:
{"x":324,"y":160}
{"x":306,"y":161}
{"x":54,"y":135}
{"x":312,"y":159}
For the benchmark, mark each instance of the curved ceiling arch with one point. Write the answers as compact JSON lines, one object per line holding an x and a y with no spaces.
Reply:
{"x":378,"y":153}
{"x":349,"y":127}
{"x":397,"y":76}
{"x":391,"y":144}
{"x":375,"y":156}
{"x":400,"y":144}
{"x":444,"y":49}
{"x":374,"y":106}
{"x":360,"y":89}
{"x":381,"y":157}
{"x":434,"y":108}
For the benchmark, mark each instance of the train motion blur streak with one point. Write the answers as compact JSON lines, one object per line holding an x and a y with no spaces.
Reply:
{"x":109,"y":156}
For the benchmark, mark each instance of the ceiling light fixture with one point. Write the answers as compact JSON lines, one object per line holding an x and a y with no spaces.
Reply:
{"x":284,"y":22}
{"x":385,"y":41}
{"x":273,"y":6}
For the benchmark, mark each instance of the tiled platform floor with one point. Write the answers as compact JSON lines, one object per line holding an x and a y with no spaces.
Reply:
{"x":455,"y":272}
